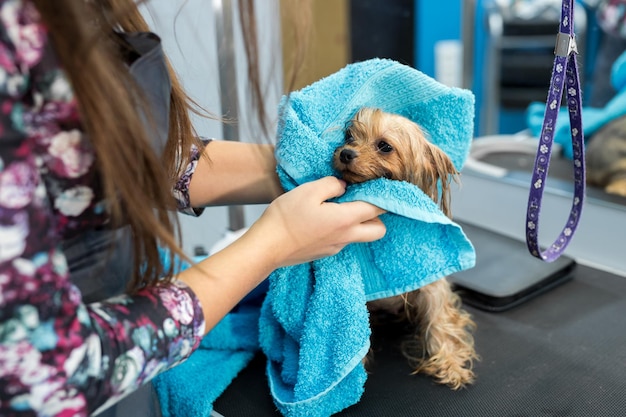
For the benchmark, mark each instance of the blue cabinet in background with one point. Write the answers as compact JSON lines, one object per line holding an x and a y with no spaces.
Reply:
{"x":499,"y":57}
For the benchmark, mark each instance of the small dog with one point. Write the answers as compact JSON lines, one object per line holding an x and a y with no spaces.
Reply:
{"x":606,"y":158}
{"x":379,"y":144}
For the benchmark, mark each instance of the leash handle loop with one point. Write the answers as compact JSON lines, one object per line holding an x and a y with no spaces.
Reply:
{"x":565,"y":81}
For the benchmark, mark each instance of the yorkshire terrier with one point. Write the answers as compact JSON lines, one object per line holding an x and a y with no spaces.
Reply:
{"x":379,"y":144}
{"x":606,"y":158}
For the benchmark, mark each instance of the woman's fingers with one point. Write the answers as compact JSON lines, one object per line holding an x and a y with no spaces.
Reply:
{"x":362,"y":221}
{"x":361,"y":210}
{"x":303,"y":225}
{"x":361,"y":218}
{"x":325,"y":188}
{"x":369,"y":231}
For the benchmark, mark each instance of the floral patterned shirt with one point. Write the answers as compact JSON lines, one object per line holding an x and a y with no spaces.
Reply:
{"x":58,"y":355}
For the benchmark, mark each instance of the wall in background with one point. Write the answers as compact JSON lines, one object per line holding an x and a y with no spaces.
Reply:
{"x":187,"y":29}
{"x":437,"y":21}
{"x":382,"y":29}
{"x":329,"y":43}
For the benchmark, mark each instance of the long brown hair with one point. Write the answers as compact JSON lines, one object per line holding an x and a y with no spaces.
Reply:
{"x":136,"y":182}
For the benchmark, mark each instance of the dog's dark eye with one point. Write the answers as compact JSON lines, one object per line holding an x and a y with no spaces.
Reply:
{"x":384,"y":147}
{"x":349,"y":139}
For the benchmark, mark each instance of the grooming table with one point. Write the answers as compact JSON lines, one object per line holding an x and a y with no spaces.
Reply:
{"x":562,"y":353}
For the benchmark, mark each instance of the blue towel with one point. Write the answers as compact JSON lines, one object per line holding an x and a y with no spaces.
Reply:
{"x":313,"y":325}
{"x":592,"y":118}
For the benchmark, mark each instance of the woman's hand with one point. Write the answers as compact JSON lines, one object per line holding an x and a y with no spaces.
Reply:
{"x":299,"y":226}
{"x":302,"y":225}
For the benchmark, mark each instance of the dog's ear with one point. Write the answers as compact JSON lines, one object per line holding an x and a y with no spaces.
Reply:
{"x":441,"y":170}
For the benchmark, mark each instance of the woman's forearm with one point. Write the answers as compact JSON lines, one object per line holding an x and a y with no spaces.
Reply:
{"x":223,"y":279}
{"x":235,"y":173}
{"x":299,"y":226}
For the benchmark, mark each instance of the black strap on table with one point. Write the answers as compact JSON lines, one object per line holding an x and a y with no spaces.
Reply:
{"x":564,"y":69}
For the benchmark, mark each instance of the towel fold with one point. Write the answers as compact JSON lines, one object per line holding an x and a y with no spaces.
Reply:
{"x":313,"y":325}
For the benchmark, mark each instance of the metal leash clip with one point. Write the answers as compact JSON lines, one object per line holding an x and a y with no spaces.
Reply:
{"x":565,"y":44}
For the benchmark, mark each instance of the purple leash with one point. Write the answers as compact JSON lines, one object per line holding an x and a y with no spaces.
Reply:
{"x":565,"y":68}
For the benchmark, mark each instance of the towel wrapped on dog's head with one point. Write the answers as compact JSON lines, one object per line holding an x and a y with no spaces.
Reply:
{"x":314,"y":324}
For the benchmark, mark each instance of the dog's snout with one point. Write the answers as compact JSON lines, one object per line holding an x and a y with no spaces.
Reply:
{"x":347,"y":155}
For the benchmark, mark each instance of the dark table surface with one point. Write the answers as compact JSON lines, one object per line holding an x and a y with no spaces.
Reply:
{"x":562,"y":353}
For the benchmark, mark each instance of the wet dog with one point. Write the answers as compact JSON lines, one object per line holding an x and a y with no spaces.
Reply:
{"x":379,"y":144}
{"x":606,"y":158}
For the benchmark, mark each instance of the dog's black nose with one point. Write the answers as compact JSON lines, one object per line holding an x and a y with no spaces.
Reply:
{"x":347,"y":155}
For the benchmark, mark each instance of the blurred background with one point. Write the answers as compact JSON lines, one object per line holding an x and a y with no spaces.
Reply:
{"x":502,"y":50}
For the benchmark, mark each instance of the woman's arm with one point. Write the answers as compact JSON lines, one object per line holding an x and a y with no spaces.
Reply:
{"x":58,"y":355}
{"x":299,"y":226}
{"x":234,"y":173}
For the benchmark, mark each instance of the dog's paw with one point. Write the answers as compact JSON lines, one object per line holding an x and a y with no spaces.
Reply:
{"x":456,"y":373}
